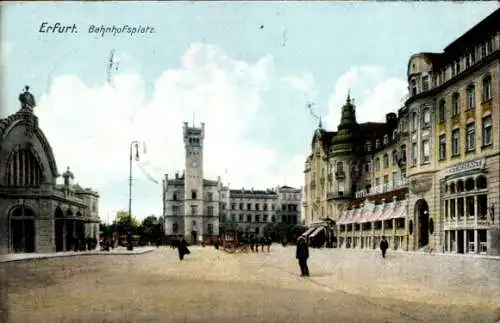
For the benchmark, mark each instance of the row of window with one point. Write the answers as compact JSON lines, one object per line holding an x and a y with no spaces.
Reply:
{"x":470,"y":138}
{"x":471,"y":99}
{"x":256,"y":206}
{"x":468,"y":185}
{"x":377,"y":225}
{"x":257,"y":219}
{"x":465,"y":206}
{"x":210,"y":228}
{"x":454,"y":68}
{"x":177,"y":196}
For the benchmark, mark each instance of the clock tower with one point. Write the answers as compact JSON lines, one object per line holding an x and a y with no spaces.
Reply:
{"x":193,"y":183}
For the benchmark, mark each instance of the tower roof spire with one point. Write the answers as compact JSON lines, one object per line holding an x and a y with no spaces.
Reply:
{"x":349,"y":96}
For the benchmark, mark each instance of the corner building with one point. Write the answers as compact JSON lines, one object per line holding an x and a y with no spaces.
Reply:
{"x":451,"y":123}
{"x":432,"y":181}
{"x":356,"y":177}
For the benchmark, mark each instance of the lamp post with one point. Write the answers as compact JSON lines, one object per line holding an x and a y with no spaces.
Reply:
{"x":130,"y":245}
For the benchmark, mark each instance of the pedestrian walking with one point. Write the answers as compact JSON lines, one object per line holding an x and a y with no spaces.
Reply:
{"x":384,"y":245}
{"x":182,"y":248}
{"x":269,"y":242}
{"x":302,"y":253}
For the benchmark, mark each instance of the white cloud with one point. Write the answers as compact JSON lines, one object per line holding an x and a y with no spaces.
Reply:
{"x":5,"y":52}
{"x":90,"y":127}
{"x":375,"y":95}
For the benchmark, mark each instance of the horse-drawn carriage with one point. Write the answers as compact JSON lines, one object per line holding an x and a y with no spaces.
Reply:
{"x":234,"y":242}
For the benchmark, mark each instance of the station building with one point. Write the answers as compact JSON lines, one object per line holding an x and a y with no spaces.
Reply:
{"x":36,"y":213}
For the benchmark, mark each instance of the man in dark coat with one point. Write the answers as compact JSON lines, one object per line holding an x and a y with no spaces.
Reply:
{"x":302,"y":254}
{"x":182,"y":248}
{"x":384,"y":245}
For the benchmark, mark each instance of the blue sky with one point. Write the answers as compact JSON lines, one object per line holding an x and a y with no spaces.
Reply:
{"x":246,"y":69}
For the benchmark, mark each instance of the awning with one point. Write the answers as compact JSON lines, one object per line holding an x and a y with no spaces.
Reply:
{"x":377,"y":212}
{"x":399,"y":211}
{"x":387,"y":212}
{"x":309,"y":231}
{"x":318,"y":229}
{"x":367,"y":213}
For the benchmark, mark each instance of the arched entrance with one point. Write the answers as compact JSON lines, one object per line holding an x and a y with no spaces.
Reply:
{"x":422,"y":212}
{"x":22,"y":229}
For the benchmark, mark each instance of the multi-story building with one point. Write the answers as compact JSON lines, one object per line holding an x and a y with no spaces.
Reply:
{"x":190,"y":202}
{"x":355,"y":177}
{"x":447,"y":190}
{"x":251,"y":210}
{"x":36,"y":213}
{"x":195,"y":207}
{"x":454,"y":108}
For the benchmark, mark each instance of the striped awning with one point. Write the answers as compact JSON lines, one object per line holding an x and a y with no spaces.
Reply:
{"x":387,"y":212}
{"x":377,"y":212}
{"x":400,"y":210}
{"x":367,"y":213}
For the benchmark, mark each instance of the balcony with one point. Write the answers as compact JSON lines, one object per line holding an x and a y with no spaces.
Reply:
{"x":382,"y":188}
{"x":340,"y":174}
{"x":339,"y":195}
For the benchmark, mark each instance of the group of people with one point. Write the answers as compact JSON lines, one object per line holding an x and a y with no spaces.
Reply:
{"x":255,"y":242}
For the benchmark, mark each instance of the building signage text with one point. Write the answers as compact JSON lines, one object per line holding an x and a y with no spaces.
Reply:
{"x":467,"y":166}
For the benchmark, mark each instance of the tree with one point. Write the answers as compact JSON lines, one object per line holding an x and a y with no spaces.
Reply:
{"x":122,"y":223}
{"x":152,"y":228}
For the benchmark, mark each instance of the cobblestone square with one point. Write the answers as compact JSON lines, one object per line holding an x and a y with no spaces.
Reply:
{"x":213,"y":286}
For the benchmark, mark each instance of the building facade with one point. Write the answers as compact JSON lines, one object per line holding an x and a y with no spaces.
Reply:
{"x":195,"y":207}
{"x":36,"y":213}
{"x":432,"y":177}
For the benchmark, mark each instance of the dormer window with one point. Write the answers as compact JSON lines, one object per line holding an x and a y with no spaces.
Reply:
{"x":425,"y":83}
{"x":413,"y":87}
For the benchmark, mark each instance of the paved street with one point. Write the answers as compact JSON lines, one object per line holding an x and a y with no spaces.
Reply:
{"x":210,"y":285}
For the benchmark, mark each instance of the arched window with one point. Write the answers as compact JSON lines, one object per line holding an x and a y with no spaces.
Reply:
{"x":460,"y":186}
{"x":469,"y":184}
{"x":481,"y":182}
{"x":452,"y":188}
{"x":23,"y":169}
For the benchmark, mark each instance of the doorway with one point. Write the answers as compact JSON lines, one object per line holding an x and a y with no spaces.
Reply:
{"x":23,"y":235}
{"x":59,"y":233}
{"x":422,"y":209}
{"x":194,"y":236}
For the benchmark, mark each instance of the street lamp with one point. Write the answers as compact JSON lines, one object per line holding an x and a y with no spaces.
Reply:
{"x":135,"y":144}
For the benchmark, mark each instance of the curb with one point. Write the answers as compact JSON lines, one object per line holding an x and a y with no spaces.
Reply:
{"x":95,"y":253}
{"x":423,"y":253}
